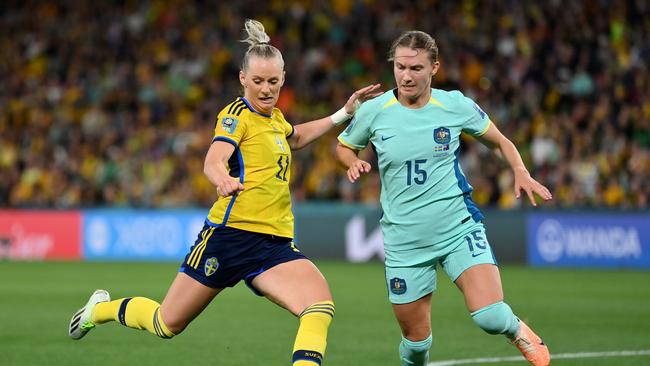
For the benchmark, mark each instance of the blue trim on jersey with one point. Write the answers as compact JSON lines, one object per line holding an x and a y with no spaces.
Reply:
{"x":253,"y":109}
{"x":212,"y":224}
{"x":254,"y":273}
{"x":241,"y":176}
{"x":466,"y":189}
{"x":249,"y":282}
{"x":494,"y":258}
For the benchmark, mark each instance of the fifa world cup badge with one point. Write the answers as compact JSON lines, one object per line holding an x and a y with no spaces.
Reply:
{"x":229,"y":124}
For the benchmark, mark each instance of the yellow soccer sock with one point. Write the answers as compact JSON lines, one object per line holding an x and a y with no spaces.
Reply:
{"x":311,"y":340}
{"x":136,"y":313}
{"x":106,"y":311}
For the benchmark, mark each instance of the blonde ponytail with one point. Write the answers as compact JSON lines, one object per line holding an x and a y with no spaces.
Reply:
{"x":258,"y":43}
{"x":255,"y":32}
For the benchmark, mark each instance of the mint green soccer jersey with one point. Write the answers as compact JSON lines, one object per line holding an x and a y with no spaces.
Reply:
{"x":425,"y":196}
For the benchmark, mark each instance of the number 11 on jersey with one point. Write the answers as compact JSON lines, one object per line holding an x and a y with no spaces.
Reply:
{"x":282,"y":173}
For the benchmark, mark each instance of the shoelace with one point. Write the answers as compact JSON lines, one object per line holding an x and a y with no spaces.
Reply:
{"x":524,"y":344}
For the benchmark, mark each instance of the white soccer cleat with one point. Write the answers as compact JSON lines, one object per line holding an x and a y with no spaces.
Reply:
{"x":81,"y":322}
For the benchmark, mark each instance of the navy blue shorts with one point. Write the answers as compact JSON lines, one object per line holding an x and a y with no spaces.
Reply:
{"x":223,"y":256}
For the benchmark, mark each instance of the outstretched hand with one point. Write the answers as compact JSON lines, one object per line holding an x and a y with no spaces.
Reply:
{"x":523,"y":181}
{"x":356,"y":168}
{"x":360,"y":96}
{"x":229,"y":186}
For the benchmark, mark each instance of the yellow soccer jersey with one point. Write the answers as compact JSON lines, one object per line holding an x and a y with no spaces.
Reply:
{"x":262,"y":161}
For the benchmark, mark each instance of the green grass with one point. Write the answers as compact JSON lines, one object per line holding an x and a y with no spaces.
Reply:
{"x":574,"y":311}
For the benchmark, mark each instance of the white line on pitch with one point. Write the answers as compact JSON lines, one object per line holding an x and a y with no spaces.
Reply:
{"x":553,"y":357}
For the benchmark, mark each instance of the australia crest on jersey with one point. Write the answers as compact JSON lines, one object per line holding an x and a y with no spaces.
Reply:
{"x":229,"y":124}
{"x":442,"y":138}
{"x":397,"y":286}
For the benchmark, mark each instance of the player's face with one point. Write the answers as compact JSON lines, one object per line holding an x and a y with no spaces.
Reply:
{"x":413,"y":72}
{"x":262,"y":82}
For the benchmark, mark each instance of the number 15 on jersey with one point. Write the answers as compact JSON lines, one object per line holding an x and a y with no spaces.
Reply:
{"x":415,"y":172}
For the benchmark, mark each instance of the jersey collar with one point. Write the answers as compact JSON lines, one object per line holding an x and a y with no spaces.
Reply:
{"x":253,"y":109}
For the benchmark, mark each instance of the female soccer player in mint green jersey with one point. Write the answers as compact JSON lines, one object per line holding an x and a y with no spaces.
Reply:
{"x":429,"y":216}
{"x":248,"y":234}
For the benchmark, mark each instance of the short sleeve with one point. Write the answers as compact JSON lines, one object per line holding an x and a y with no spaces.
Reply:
{"x":287,"y":127}
{"x":477,"y":121}
{"x":357,"y":134}
{"x":229,"y":127}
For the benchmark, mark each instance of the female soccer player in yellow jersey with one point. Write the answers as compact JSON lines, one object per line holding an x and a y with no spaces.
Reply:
{"x":248,"y":232}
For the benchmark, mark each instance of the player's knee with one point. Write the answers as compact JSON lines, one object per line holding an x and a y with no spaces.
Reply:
{"x":496,"y":318}
{"x":415,"y":329}
{"x":322,"y":309}
{"x":168,"y":326}
{"x":175,"y":327}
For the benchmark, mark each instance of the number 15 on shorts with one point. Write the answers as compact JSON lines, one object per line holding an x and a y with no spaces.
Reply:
{"x":477,"y":242}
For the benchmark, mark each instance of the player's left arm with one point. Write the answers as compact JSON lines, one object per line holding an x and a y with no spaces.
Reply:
{"x":307,"y":132}
{"x":494,"y":139}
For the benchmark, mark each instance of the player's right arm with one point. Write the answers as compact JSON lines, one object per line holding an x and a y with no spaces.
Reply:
{"x":354,"y":139}
{"x":349,"y":158}
{"x":228,"y":132}
{"x":216,"y":171}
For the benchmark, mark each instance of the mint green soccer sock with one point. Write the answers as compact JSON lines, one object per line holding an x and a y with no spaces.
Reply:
{"x":413,"y":353}
{"x":497,"y":318}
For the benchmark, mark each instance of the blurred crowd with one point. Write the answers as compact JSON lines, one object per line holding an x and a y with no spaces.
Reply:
{"x":113,"y":103}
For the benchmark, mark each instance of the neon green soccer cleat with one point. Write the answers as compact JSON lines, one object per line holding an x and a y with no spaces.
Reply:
{"x":531,"y":346}
{"x":81,"y":322}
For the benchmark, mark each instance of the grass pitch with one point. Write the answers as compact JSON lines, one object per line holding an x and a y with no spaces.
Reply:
{"x":574,"y":311}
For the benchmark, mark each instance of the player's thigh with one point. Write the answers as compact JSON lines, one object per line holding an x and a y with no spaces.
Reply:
{"x":467,"y":250}
{"x":414,"y":318}
{"x":408,"y":284}
{"x":409,"y":290}
{"x":294,"y":285}
{"x":471,"y":264}
{"x":481,"y":286}
{"x":185,"y":299}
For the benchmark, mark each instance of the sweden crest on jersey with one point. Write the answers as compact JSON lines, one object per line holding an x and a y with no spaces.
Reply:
{"x":211,"y":266}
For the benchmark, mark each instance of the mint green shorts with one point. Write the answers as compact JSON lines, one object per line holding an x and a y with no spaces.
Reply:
{"x":408,"y":284}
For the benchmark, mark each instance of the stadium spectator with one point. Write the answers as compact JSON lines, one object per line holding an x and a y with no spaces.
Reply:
{"x":100,"y":96}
